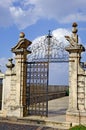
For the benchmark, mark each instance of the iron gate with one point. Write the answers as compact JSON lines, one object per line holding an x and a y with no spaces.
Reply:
{"x":37,"y":88}
{"x":49,"y":50}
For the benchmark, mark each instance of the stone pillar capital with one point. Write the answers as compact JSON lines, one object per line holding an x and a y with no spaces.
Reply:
{"x":76,"y":49}
{"x":22,"y":45}
{"x":74,"y":42}
{"x":74,"y":46}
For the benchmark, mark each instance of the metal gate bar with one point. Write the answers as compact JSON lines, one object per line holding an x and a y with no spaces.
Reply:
{"x":37,"y":88}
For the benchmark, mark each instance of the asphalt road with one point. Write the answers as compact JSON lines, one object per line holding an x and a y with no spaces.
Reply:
{"x":10,"y":126}
{"x":57,"y":112}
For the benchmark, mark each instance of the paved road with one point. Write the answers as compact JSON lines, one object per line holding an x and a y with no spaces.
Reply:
{"x":57,"y":112}
{"x":58,"y":108}
{"x":9,"y":126}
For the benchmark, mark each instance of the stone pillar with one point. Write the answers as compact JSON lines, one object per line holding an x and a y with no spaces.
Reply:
{"x":21,"y":52}
{"x":74,"y":49}
{"x":9,"y":92}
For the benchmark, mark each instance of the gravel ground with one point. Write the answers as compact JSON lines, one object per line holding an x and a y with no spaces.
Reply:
{"x":10,"y":126}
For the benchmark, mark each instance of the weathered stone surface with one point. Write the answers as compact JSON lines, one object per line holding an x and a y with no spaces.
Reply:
{"x":81,"y":106}
{"x":77,"y":78}
{"x":80,"y":100}
{"x":81,"y":95}
{"x":81,"y":89}
{"x":13,"y":80}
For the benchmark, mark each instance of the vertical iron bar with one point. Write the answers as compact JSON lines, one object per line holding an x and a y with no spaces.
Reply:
{"x":49,"y":42}
{"x":47,"y":89}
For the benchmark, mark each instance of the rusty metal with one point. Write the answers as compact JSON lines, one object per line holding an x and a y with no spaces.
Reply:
{"x":48,"y":47}
{"x":37,"y":88}
{"x":47,"y":50}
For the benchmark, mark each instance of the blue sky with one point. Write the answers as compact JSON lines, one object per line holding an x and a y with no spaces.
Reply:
{"x":35,"y":18}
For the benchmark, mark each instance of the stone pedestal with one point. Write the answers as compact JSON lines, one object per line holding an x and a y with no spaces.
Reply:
{"x":21,"y":52}
{"x":76,"y":112}
{"x":9,"y":89}
{"x":14,"y":93}
{"x":76,"y":85}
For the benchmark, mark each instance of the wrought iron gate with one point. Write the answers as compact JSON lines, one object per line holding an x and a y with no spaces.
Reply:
{"x":48,"y":50}
{"x":37,"y":88}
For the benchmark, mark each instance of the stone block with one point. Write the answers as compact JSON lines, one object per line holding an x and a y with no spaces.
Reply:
{"x":81,"y":89}
{"x":81,"y":95}
{"x":72,"y":117}
{"x":81,"y":106}
{"x":81,"y":100}
{"x":76,"y":117}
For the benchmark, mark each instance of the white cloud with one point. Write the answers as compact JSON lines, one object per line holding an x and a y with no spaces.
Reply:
{"x":5,"y":16}
{"x":57,"y":73}
{"x":27,"y":12}
{"x":74,"y":17}
{"x":57,"y":45}
{"x":39,"y":47}
{"x":60,"y":33}
{"x":5,"y":3}
{"x":17,"y":11}
{"x":3,"y":62}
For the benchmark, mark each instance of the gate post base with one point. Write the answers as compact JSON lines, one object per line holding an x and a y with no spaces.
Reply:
{"x":15,"y":111}
{"x":77,"y":117}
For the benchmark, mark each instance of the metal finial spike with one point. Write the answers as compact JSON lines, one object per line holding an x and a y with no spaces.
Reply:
{"x":49,"y":34}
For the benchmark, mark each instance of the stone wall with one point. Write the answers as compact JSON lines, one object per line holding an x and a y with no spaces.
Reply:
{"x":57,"y":88}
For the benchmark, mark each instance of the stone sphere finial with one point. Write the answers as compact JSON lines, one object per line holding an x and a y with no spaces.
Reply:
{"x":22,"y":35}
{"x":74,"y":27}
{"x":74,"y":24}
{"x":10,"y":65}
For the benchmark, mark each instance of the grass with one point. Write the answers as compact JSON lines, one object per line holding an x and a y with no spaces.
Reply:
{"x":79,"y":127}
{"x":67,"y":92}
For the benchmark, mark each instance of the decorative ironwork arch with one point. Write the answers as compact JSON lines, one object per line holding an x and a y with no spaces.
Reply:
{"x":48,"y":48}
